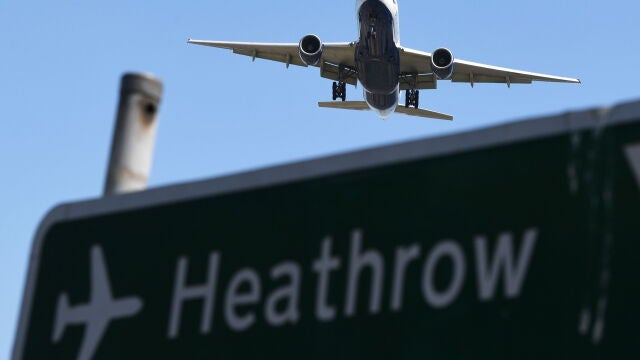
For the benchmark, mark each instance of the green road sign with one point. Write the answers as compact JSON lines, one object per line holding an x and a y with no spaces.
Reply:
{"x":514,"y":242}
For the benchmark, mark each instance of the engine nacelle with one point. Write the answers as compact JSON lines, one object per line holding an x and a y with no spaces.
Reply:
{"x":310,"y":49}
{"x":442,"y":63}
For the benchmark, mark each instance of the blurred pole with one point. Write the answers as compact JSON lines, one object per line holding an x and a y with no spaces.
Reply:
{"x":134,"y":135}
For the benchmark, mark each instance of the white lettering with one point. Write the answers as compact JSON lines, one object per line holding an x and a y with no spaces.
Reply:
{"x":633,"y":155}
{"x":444,"y":298}
{"x":404,"y":256}
{"x":182,"y":293}
{"x":234,"y":299}
{"x":357,"y":262}
{"x":323,"y":266}
{"x":288,"y":294}
{"x":362,"y":280}
{"x":514,"y":271}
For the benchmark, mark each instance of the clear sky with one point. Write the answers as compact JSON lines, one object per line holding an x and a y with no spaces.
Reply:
{"x":61,"y":61}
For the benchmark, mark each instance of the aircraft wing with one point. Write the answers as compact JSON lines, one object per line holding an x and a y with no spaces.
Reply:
{"x":418,"y":62}
{"x":334,"y":55}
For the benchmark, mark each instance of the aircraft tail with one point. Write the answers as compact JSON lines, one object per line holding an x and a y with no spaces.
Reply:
{"x":62,"y":314}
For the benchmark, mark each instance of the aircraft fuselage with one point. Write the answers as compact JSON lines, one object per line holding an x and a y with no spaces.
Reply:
{"x":377,"y":56}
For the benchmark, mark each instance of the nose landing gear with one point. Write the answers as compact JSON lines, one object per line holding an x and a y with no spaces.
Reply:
{"x":412,"y":98}
{"x":339,"y":90}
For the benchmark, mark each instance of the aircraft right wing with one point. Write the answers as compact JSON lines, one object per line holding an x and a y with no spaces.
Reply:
{"x":418,"y":62}
{"x":334,"y":55}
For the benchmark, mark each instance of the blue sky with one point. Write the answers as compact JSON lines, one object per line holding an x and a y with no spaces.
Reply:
{"x":61,"y":61}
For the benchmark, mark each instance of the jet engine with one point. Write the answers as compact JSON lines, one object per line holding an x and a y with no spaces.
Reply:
{"x":442,"y":63}
{"x":310,"y":49}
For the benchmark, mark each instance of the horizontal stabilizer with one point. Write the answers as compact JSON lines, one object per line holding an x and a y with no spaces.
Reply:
{"x":422,"y":113}
{"x":361,"y":105}
{"x":63,"y":311}
{"x":346,"y":105}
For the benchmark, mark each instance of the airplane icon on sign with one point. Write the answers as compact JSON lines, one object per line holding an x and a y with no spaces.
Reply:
{"x":97,"y":313}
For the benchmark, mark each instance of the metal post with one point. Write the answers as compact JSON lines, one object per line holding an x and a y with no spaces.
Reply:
{"x":134,"y":135}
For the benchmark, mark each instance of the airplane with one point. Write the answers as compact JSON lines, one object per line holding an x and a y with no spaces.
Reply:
{"x":98,"y":313}
{"x":380,"y":64}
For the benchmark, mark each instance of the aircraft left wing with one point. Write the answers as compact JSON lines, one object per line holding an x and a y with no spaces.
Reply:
{"x":334,"y":55}
{"x":418,"y":62}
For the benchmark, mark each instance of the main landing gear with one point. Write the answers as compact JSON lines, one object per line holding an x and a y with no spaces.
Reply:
{"x":412,"y":98}
{"x":339,"y":90}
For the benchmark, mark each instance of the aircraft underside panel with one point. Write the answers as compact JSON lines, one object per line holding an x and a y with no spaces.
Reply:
{"x":377,"y":56}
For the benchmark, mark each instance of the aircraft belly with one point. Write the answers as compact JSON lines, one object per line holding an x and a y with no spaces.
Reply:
{"x":377,"y":56}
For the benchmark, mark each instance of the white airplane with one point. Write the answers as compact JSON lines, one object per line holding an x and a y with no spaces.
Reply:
{"x":380,"y":64}
{"x":98,"y":313}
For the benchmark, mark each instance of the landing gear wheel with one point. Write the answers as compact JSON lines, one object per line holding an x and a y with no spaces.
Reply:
{"x":412,"y":98}
{"x":339,"y":90}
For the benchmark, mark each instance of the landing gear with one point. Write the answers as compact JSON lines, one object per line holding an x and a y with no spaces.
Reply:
{"x":339,"y":90}
{"x":412,"y":98}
